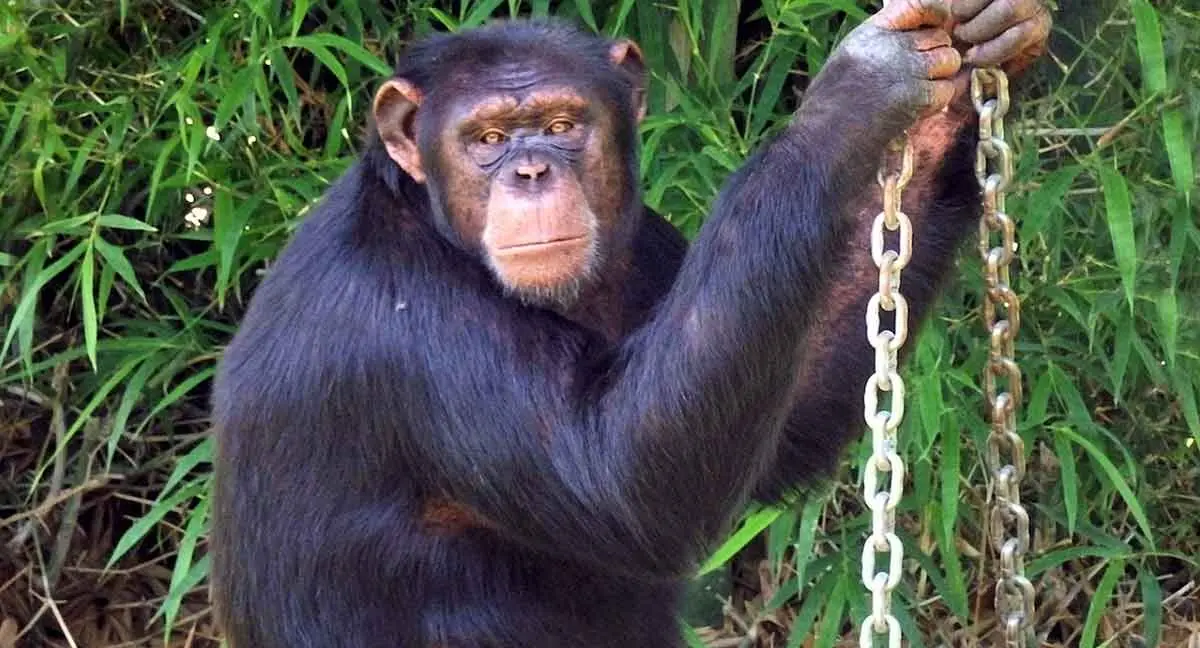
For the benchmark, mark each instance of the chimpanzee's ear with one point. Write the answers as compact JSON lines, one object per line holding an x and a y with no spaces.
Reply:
{"x":626,"y":55}
{"x":395,"y":112}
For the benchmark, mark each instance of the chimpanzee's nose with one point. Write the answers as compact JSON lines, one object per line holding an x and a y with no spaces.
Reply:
{"x":533,"y":170}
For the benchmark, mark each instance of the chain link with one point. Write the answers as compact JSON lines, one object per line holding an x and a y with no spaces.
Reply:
{"x":1008,"y":521}
{"x":891,"y":223}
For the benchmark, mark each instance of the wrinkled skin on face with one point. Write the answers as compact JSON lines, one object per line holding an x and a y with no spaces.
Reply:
{"x":526,"y":169}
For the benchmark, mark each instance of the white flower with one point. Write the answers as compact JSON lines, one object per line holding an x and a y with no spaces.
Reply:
{"x":196,"y":217}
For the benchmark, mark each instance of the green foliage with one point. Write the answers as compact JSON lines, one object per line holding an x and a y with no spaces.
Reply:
{"x":159,"y":154}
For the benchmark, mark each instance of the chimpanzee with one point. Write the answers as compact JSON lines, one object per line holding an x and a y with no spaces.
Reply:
{"x":487,"y":399}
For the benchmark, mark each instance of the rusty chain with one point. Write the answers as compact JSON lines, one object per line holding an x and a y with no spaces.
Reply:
{"x":1008,"y":521}
{"x":884,"y":458}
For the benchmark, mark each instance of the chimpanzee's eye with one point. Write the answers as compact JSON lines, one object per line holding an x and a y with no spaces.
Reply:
{"x":493,"y":136}
{"x":559,"y":126}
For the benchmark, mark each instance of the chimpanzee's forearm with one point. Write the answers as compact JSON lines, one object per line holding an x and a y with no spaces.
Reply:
{"x":942,"y":200}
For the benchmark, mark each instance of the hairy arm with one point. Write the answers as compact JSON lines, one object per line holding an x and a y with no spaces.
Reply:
{"x":942,"y":201}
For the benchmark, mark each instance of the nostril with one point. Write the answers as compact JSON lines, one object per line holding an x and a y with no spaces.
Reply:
{"x":532,"y":171}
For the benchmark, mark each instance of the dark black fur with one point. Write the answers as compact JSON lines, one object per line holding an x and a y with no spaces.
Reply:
{"x":380,"y":366}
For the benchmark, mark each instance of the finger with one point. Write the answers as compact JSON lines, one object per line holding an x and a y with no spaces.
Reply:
{"x":930,"y":39}
{"x":1026,"y":58}
{"x":941,"y":93}
{"x":996,"y":18}
{"x":1010,"y":44}
{"x":943,"y":63}
{"x":965,"y":10}
{"x":902,"y":15}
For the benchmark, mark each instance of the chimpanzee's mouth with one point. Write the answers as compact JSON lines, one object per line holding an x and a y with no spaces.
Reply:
{"x":565,"y":241}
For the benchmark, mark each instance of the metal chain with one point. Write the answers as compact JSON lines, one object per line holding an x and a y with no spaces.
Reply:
{"x":1008,"y":521}
{"x":884,"y":423}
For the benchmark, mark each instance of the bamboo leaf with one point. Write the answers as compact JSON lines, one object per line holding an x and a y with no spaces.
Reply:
{"x":1149,"y":46}
{"x":1099,"y":602}
{"x":115,"y":258}
{"x":751,"y":527}
{"x":147,"y":522}
{"x":182,"y":576}
{"x":1115,"y":479}
{"x":1152,"y":603}
{"x":118,"y":221}
{"x":1179,"y":151}
{"x":1119,"y":211}
{"x":1069,"y":480}
{"x":87,"y":293}
{"x":30,"y":293}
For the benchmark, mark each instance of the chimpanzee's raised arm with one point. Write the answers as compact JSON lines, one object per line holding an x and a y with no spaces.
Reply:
{"x":943,"y":203}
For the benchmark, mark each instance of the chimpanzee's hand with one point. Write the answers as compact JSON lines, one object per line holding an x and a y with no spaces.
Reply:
{"x":888,"y":72}
{"x":1006,"y":33}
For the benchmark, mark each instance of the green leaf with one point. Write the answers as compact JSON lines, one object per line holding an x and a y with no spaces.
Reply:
{"x":1119,"y":211}
{"x":281,"y":67}
{"x":1047,"y":199}
{"x":182,"y":578}
{"x":1187,"y":403}
{"x":584,"y":7}
{"x":1099,"y":603}
{"x":160,"y":166}
{"x":806,"y":537}
{"x":30,"y":293}
{"x":1179,"y":151}
{"x":228,"y":224}
{"x":769,"y":89}
{"x":73,"y":225}
{"x":1069,"y":480}
{"x":195,"y":575}
{"x":87,"y":292}
{"x":203,"y":452}
{"x":1122,"y":348}
{"x":803,"y":624}
{"x":1059,"y":557}
{"x":299,"y":12}
{"x":690,"y":637}
{"x":115,"y":258}
{"x":1149,"y":46}
{"x":831,"y":618}
{"x":479,"y":13}
{"x":1152,"y":605}
{"x":235,"y":94}
{"x":181,"y":390}
{"x":205,"y":259}
{"x":1168,"y":322}
{"x":82,"y":158}
{"x":1115,"y":479}
{"x":130,"y":398}
{"x":147,"y":522}
{"x":751,"y":527}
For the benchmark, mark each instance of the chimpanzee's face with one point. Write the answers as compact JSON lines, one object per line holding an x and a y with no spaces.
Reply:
{"x":529,"y":165}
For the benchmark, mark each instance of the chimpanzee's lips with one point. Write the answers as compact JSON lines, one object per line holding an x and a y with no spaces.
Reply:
{"x":565,"y":241}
